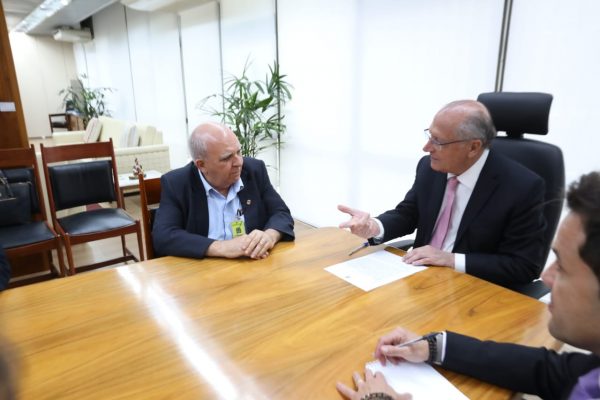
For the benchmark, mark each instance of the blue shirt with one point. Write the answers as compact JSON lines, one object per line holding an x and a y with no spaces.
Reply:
{"x":222,"y":211}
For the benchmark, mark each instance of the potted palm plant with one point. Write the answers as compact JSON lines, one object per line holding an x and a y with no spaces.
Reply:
{"x":84,"y":101}
{"x":253,"y":109}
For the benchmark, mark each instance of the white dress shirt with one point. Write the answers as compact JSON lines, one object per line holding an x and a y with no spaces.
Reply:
{"x":466,"y":183}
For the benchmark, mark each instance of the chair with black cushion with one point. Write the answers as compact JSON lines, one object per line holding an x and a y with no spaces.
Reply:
{"x":149,"y":201}
{"x":517,"y":113}
{"x":23,"y":226}
{"x":58,"y":121}
{"x":83,"y":182}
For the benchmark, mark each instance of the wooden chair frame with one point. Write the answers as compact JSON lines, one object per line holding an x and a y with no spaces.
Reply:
{"x":25,"y":158}
{"x":149,"y":196}
{"x":75,"y":152}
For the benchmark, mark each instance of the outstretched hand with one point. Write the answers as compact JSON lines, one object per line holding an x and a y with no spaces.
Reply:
{"x":360,"y":223}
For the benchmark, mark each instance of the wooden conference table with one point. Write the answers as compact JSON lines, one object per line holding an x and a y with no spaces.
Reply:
{"x":279,"y":328}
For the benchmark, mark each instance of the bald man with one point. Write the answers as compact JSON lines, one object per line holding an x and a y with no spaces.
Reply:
{"x":474,"y":210}
{"x":221,"y":204}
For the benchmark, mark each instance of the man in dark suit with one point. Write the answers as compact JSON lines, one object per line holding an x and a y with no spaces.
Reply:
{"x":474,"y":210}
{"x":221,"y":204}
{"x":575,"y":309}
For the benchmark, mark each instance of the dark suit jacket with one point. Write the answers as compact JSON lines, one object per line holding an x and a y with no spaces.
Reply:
{"x":181,"y":223}
{"x":4,"y":269}
{"x":520,"y":368}
{"x":501,"y":231}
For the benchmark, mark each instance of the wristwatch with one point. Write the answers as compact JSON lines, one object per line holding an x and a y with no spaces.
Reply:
{"x":435,"y":341}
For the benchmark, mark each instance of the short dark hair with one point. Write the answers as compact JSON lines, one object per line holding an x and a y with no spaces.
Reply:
{"x":583,"y":199}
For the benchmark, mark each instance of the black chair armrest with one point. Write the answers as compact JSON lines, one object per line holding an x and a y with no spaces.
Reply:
{"x":403,"y":244}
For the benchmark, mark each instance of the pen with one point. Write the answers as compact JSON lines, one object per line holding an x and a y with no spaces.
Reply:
{"x":424,"y":337}
{"x":362,"y":246}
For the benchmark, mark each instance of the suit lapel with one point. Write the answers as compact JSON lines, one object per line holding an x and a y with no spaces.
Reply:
{"x":248,"y":201}
{"x":199,"y":200}
{"x":484,"y":188}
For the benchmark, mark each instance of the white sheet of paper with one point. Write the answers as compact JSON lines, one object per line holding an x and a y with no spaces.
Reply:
{"x":422,"y":381}
{"x":373,"y":270}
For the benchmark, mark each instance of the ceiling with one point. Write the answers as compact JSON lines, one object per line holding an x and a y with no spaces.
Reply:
{"x":75,"y":12}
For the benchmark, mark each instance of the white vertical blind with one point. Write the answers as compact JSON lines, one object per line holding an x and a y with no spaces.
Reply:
{"x":201,"y":58}
{"x":369,"y":76}
{"x":553,"y":48}
{"x":157,"y":81}
{"x":111,"y":61}
{"x":248,"y":35}
{"x":248,"y":32}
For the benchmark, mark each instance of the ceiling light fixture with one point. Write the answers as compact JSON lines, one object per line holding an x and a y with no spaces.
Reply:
{"x":45,"y":10}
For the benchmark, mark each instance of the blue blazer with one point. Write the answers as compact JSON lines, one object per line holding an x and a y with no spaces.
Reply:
{"x":501,"y":231}
{"x":524,"y":369}
{"x":181,"y":223}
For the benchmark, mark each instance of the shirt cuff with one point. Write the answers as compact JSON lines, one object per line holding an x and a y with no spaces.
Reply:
{"x":459,"y":262}
{"x":379,"y":237}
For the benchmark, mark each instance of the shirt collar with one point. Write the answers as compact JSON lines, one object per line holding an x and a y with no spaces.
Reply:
{"x":235,"y":188}
{"x":470,"y":176}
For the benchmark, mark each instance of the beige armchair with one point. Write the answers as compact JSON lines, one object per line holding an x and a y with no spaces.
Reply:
{"x":143,"y":142}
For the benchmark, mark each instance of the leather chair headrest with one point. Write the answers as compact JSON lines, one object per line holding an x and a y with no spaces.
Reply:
{"x":517,"y":113}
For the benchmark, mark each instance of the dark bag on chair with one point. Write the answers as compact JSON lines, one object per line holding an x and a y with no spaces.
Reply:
{"x":15,"y":202}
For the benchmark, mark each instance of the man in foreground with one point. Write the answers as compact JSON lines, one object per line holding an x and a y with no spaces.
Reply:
{"x":574,"y":279}
{"x":221,"y":204}
{"x":474,"y":210}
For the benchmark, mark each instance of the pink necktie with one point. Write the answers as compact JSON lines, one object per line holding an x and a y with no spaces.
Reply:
{"x":444,"y":222}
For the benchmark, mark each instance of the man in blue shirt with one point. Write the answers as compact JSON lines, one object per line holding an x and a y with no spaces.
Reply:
{"x":221,"y":204}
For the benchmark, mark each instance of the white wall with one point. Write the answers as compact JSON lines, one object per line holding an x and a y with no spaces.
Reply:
{"x":44,"y":67}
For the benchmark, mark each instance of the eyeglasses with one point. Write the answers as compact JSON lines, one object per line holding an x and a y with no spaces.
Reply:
{"x":439,"y":144}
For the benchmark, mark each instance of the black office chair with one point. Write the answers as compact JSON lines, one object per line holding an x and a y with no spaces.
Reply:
{"x":516,"y":114}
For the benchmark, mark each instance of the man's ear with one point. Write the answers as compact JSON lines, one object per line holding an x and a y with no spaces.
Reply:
{"x":199,"y":164}
{"x":475,"y":148}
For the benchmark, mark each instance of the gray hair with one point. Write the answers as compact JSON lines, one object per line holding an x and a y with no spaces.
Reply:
{"x":197,"y":145}
{"x":477,"y":123}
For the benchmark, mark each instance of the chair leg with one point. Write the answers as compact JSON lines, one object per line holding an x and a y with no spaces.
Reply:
{"x":139,"y":240}
{"x":123,"y":246}
{"x":69,"y":252}
{"x":61,"y":261}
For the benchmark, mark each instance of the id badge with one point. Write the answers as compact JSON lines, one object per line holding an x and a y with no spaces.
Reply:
{"x":238,"y":228}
